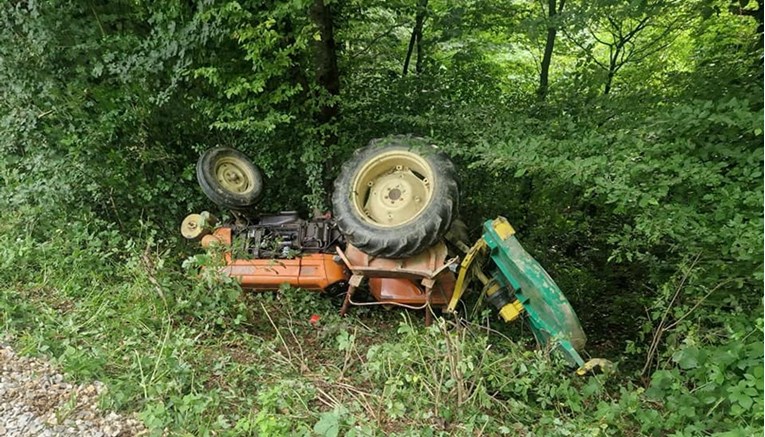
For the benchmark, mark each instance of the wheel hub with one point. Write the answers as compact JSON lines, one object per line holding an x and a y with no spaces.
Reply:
{"x":396,"y":198}
{"x":232,"y":176}
{"x":394,"y":189}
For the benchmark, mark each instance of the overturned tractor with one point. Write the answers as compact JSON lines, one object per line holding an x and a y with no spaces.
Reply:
{"x":393,"y":230}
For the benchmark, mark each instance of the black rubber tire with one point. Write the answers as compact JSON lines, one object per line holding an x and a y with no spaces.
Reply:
{"x":410,"y":238}
{"x":219,"y":194}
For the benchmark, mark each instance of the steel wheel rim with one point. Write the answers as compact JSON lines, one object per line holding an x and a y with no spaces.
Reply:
{"x":234,"y":175}
{"x":393,"y":189}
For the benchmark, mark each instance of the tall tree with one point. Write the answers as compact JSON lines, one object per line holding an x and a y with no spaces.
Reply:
{"x":325,"y":59}
{"x":416,"y":38}
{"x":628,"y":31}
{"x":553,"y":10}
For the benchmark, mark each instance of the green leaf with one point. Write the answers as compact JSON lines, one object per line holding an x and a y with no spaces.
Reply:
{"x":687,"y":358}
{"x":328,"y":424}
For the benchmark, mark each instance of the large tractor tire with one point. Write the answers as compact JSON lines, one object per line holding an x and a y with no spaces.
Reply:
{"x":395,"y":197}
{"x":229,"y":178}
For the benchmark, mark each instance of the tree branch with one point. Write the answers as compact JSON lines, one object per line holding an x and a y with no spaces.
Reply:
{"x":375,"y":40}
{"x":641,"y":25}
{"x":595,"y":37}
{"x":617,"y":27}
{"x":584,"y":49}
{"x":646,"y":49}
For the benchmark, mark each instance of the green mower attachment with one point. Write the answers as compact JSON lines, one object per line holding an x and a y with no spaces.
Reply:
{"x":515,"y":283}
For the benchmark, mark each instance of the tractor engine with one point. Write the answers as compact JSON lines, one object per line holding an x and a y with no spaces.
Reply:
{"x":285,"y":236}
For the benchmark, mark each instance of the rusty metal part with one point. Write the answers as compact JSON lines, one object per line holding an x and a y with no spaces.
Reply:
{"x":428,"y":264}
{"x":427,"y":306}
{"x":406,"y":291}
{"x":418,"y":283}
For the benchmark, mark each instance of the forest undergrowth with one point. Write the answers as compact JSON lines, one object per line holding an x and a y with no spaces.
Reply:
{"x":622,"y":139}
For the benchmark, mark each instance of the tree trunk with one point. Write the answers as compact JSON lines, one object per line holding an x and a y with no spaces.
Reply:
{"x":325,"y":60}
{"x":328,"y":77}
{"x":419,"y":20}
{"x":552,"y":30}
{"x":546,"y":59}
{"x":418,"y":64}
{"x":614,"y":65}
{"x":609,"y":79}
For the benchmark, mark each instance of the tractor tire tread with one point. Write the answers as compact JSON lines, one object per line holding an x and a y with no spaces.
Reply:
{"x":410,"y":238}
{"x":213,"y":189}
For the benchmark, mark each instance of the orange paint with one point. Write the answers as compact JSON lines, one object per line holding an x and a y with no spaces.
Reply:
{"x":406,"y":291}
{"x":223,"y":235}
{"x":316,"y":272}
{"x":313,"y":272}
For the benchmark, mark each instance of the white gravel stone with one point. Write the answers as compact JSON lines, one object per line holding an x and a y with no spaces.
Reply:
{"x":35,"y":400}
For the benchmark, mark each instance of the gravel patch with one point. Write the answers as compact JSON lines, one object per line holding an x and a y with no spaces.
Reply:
{"x":36,"y":400}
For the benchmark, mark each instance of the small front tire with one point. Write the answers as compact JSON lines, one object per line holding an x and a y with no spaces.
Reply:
{"x":229,"y":178}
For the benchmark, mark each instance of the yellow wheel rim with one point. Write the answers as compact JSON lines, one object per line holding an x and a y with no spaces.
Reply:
{"x":393,"y":189}
{"x":234,"y":175}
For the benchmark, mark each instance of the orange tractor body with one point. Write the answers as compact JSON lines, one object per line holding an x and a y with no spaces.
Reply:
{"x":314,"y":271}
{"x":390,"y":281}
